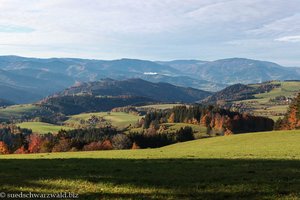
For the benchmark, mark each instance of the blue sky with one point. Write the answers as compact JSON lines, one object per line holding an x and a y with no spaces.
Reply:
{"x":152,"y":29}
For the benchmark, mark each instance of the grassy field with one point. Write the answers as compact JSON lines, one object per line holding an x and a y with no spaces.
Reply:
{"x":118,"y":119}
{"x":17,"y":111}
{"x":161,"y":106}
{"x":41,"y":127}
{"x":248,"y":166}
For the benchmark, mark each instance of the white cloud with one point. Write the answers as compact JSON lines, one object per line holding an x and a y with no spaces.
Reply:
{"x":294,"y":38}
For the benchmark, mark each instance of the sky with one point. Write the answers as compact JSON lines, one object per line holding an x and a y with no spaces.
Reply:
{"x":152,"y":29}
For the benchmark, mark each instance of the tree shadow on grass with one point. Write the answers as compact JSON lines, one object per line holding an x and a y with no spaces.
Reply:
{"x":154,"y":178}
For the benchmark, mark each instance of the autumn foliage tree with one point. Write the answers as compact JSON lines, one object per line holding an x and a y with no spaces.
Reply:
{"x":3,"y":148}
{"x":292,"y":118}
{"x":34,"y":143}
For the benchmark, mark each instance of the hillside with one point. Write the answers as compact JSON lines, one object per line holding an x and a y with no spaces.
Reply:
{"x":137,"y":87}
{"x":269,"y":99}
{"x":231,"y":93}
{"x":214,"y":168}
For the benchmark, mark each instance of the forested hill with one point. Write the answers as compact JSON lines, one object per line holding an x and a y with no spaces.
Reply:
{"x":240,"y":92}
{"x":163,"y":92}
{"x":70,"y":105}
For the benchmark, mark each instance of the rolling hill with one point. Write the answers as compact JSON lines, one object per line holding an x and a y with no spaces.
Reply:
{"x":107,"y":94}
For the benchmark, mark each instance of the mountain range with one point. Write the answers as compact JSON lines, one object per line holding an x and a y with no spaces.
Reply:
{"x":24,"y":80}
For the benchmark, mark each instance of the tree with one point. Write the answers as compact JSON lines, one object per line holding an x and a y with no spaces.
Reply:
{"x":185,"y":134}
{"x":171,"y":118}
{"x":121,"y":141}
{"x":106,"y":145}
{"x":62,"y":146}
{"x":34,"y":143}
{"x":93,"y":146}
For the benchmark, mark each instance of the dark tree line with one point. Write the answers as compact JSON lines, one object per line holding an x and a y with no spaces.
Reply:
{"x":214,"y":118}
{"x":152,"y":139}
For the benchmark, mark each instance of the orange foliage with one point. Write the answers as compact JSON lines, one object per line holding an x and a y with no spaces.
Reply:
{"x":106,"y":145}
{"x":35,"y":142}
{"x":171,"y":118}
{"x":21,"y":150}
{"x":3,"y":148}
{"x":135,"y":146}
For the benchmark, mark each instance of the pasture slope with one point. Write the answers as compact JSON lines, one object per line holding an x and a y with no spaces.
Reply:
{"x":263,"y":165}
{"x":117,"y":119}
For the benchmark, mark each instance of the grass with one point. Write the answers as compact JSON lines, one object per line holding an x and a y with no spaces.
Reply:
{"x":41,"y":127}
{"x":262,"y":165}
{"x":118,"y":119}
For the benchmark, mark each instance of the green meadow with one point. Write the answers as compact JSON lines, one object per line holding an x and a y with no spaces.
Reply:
{"x":42,"y":127}
{"x":263,"y":165}
{"x":118,"y":119}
